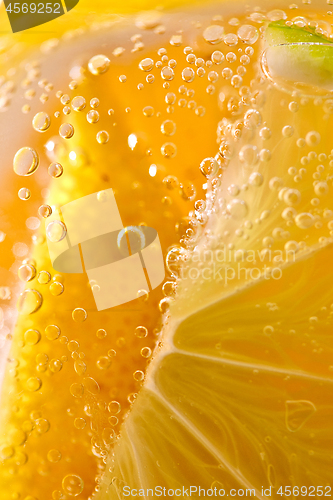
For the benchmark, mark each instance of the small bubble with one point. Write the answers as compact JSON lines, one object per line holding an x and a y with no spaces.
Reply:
{"x":141,"y":332}
{"x":321,"y":188}
{"x":72,"y":485}
{"x":103,"y":362}
{"x":6,"y":452}
{"x":78,"y":103}
{"x":41,"y":122}
{"x":114,"y":407}
{"x":29,"y":302}
{"x":56,"y":288}
{"x":55,"y":170}
{"x":91,"y":385}
{"x":312,"y":138}
{"x":249,"y":155}
{"x":146,"y":64}
{"x":146,"y":352}
{"x":298,"y":413}
{"x":25,"y":161}
{"x":304,"y":220}
{"x":231,"y":39}
{"x":52,"y":332}
{"x":54,"y":456}
{"x":43,"y":277}
{"x":76,"y":390}
{"x":101,"y":333}
{"x":217,"y":57}
{"x":169,"y":150}
{"x":33,"y":384}
{"x":123,"y":78}
{"x":66,"y":130}
{"x":214,"y":34}
{"x":164,"y":305}
{"x":167,"y":73}
{"x":45,"y":211}
{"x":93,"y":116}
{"x":292,"y":197}
{"x":237,"y":208}
{"x":248,"y":34}
{"x":94,"y":102}
{"x":138,"y":375}
{"x":64,"y":99}
{"x":55,"y":365}
{"x":209,"y":167}
{"x":80,"y":423}
{"x":32,"y":337}
{"x":79,"y":315}
{"x":99,"y":64}
{"x":56,"y":231}
{"x":42,"y":426}
{"x":102,"y":137}
{"x":26,"y":272}
{"x":24,"y":194}
{"x":288,"y":131}
{"x":80,"y":367}
{"x":293,"y":106}
{"x":252,"y":119}
{"x":148,"y":111}
{"x":168,"y":128}
{"x":188,"y":75}
{"x":256,"y":179}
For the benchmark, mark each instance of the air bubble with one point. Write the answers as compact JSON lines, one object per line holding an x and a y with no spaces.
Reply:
{"x":99,"y":64}
{"x":24,"y":194}
{"x":25,"y":161}
{"x":231,"y":39}
{"x":102,"y":137}
{"x":72,"y":485}
{"x":146,"y":352}
{"x":248,"y":34}
{"x":168,"y":128}
{"x":43,"y":277}
{"x":93,"y":116}
{"x":45,"y":211}
{"x":26,"y":272}
{"x":146,"y":64}
{"x":56,"y":231}
{"x":209,"y":167}
{"x":78,"y":103}
{"x":188,"y":75}
{"x":41,"y":122}
{"x":141,"y":332}
{"x":76,"y":390}
{"x":33,"y":384}
{"x":169,"y":150}
{"x":148,"y":111}
{"x":214,"y":34}
{"x":80,"y":423}
{"x":56,"y":288}
{"x":52,"y":332}
{"x":138,"y":375}
{"x":55,"y":170}
{"x":237,"y":208}
{"x":217,"y":57}
{"x":79,"y":315}
{"x":304,"y":220}
{"x":167,"y":73}
{"x":32,"y":337}
{"x":256,"y":179}
{"x":29,"y":302}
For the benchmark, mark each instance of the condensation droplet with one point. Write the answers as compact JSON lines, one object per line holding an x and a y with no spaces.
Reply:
{"x":25,"y":161}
